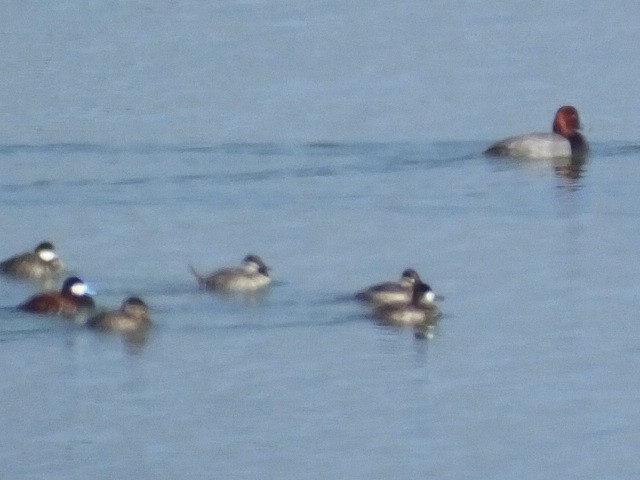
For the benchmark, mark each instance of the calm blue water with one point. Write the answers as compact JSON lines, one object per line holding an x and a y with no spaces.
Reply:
{"x":342,"y":144}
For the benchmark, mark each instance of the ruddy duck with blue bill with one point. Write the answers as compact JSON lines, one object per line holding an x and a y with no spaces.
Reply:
{"x":395,"y":292}
{"x":70,"y":300}
{"x":132,"y":316}
{"x":41,"y":264}
{"x":415,"y":313}
{"x":251,"y":276}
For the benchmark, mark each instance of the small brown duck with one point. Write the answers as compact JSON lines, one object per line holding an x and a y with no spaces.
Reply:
{"x":132,"y":316}
{"x":395,"y":292}
{"x":41,"y":264}
{"x":252,"y":275}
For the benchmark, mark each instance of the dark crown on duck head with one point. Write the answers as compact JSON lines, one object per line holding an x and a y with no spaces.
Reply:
{"x":251,"y":258}
{"x":134,"y":301}
{"x":44,"y":246}
{"x":134,"y":306}
{"x":411,"y":274}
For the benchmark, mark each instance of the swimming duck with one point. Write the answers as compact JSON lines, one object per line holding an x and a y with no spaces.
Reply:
{"x":415,"y":313}
{"x":132,"y":316}
{"x":564,"y":142}
{"x":251,"y":276}
{"x":395,"y":292}
{"x":41,"y":264}
{"x":70,"y":300}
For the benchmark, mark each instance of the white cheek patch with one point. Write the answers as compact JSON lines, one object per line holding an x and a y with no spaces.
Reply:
{"x":47,"y":255}
{"x":79,"y":289}
{"x":430,"y":296}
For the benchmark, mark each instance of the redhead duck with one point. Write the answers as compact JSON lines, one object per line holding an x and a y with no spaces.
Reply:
{"x":394,"y":292}
{"x":41,"y":264}
{"x":564,"y":142}
{"x":70,"y":300}
{"x":132,"y":316}
{"x":415,"y":313}
{"x":252,"y":275}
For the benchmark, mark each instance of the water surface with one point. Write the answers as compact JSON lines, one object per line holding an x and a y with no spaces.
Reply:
{"x":342,"y":144}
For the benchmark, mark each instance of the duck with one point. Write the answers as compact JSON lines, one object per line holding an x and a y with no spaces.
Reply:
{"x":395,"y":292}
{"x":415,"y":313}
{"x":41,"y":264}
{"x":251,"y":276}
{"x":132,"y":316}
{"x":73,"y":298}
{"x":564,"y":142}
